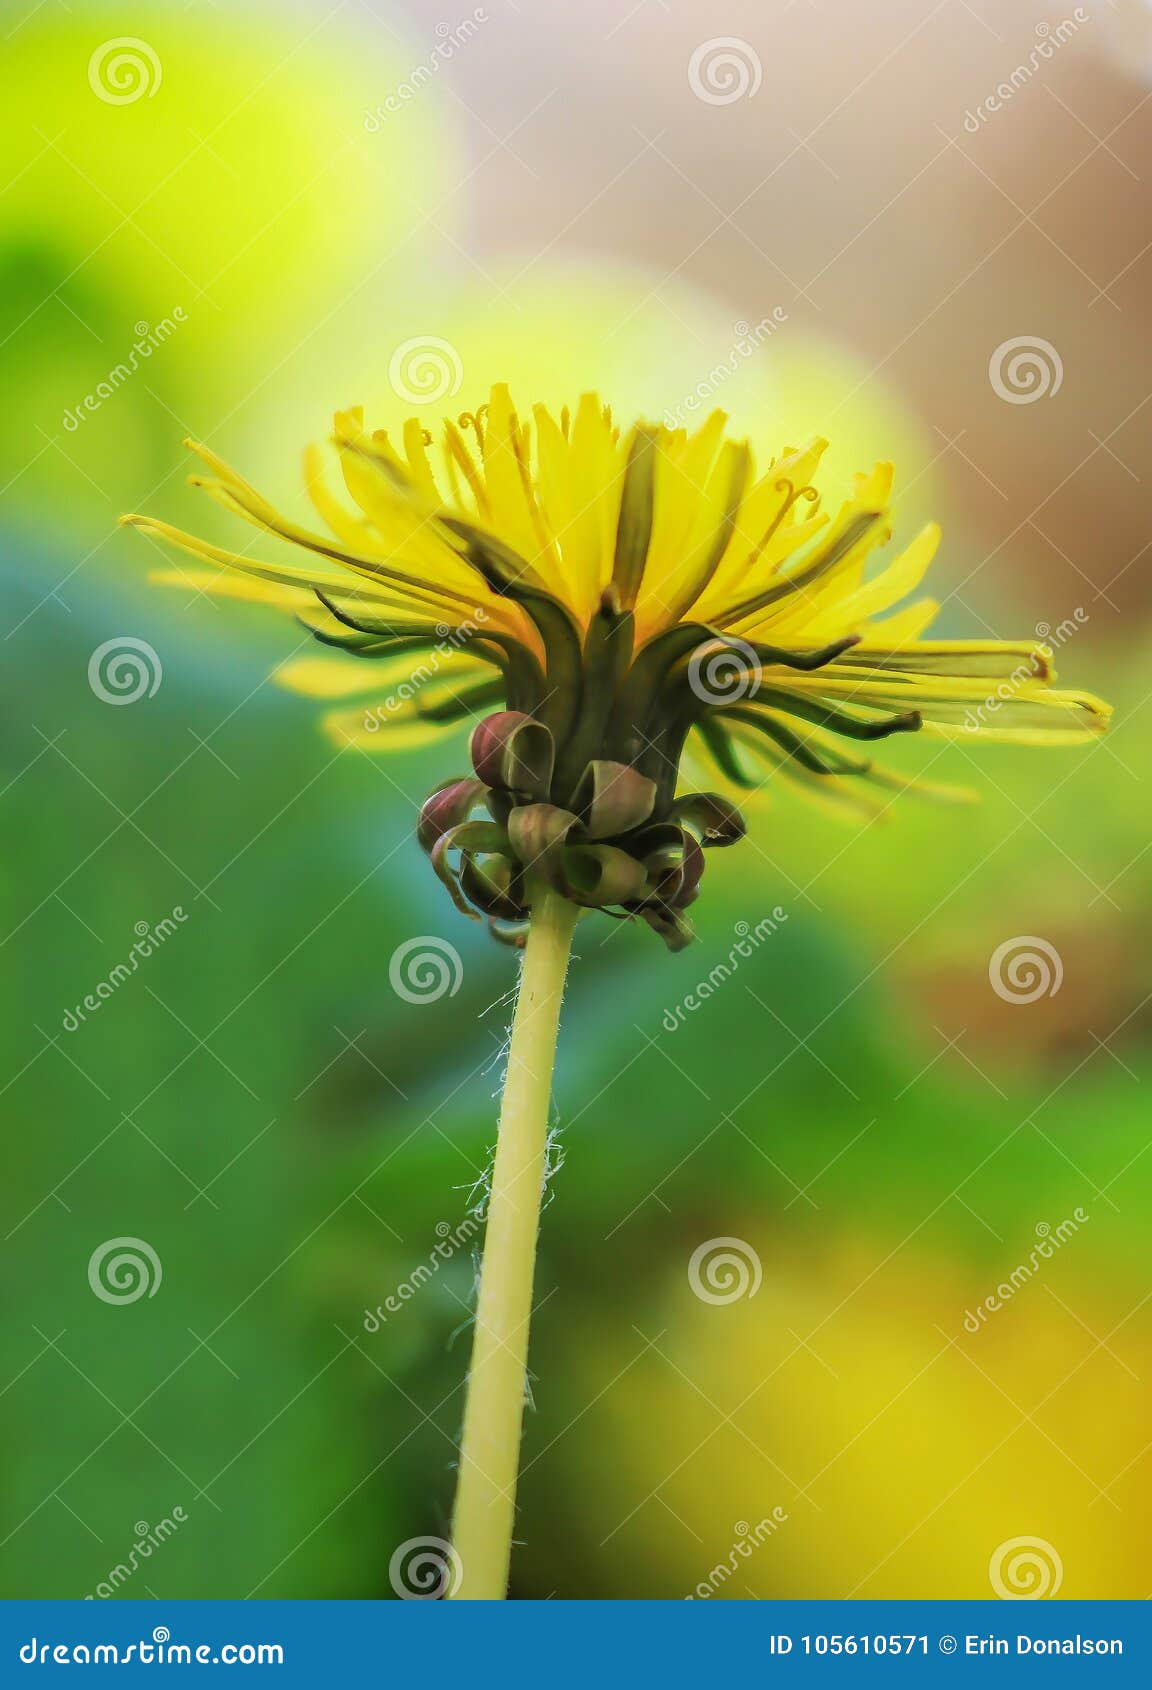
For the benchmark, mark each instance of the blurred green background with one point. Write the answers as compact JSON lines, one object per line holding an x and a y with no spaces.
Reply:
{"x":885,"y":1134}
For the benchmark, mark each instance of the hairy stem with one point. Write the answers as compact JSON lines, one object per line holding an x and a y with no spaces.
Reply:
{"x":494,"y":1410}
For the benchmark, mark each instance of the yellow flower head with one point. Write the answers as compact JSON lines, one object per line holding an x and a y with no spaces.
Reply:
{"x":613,"y":607}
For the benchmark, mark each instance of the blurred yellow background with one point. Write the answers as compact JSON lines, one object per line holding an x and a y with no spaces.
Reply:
{"x":227,"y":223}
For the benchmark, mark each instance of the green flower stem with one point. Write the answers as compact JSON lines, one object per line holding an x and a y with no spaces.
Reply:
{"x":494,"y":1410}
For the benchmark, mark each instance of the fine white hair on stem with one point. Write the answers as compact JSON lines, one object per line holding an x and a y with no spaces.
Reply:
{"x":505,"y":997}
{"x":554,"y":1155}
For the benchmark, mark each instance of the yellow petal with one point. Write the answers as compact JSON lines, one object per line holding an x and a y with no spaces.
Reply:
{"x":344,"y":675}
{"x":223,"y":583}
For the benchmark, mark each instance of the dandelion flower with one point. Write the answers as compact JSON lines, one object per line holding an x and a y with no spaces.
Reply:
{"x":641,"y":626}
{"x":615,"y":609}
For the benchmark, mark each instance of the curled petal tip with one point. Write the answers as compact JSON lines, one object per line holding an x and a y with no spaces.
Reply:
{"x":513,"y":752}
